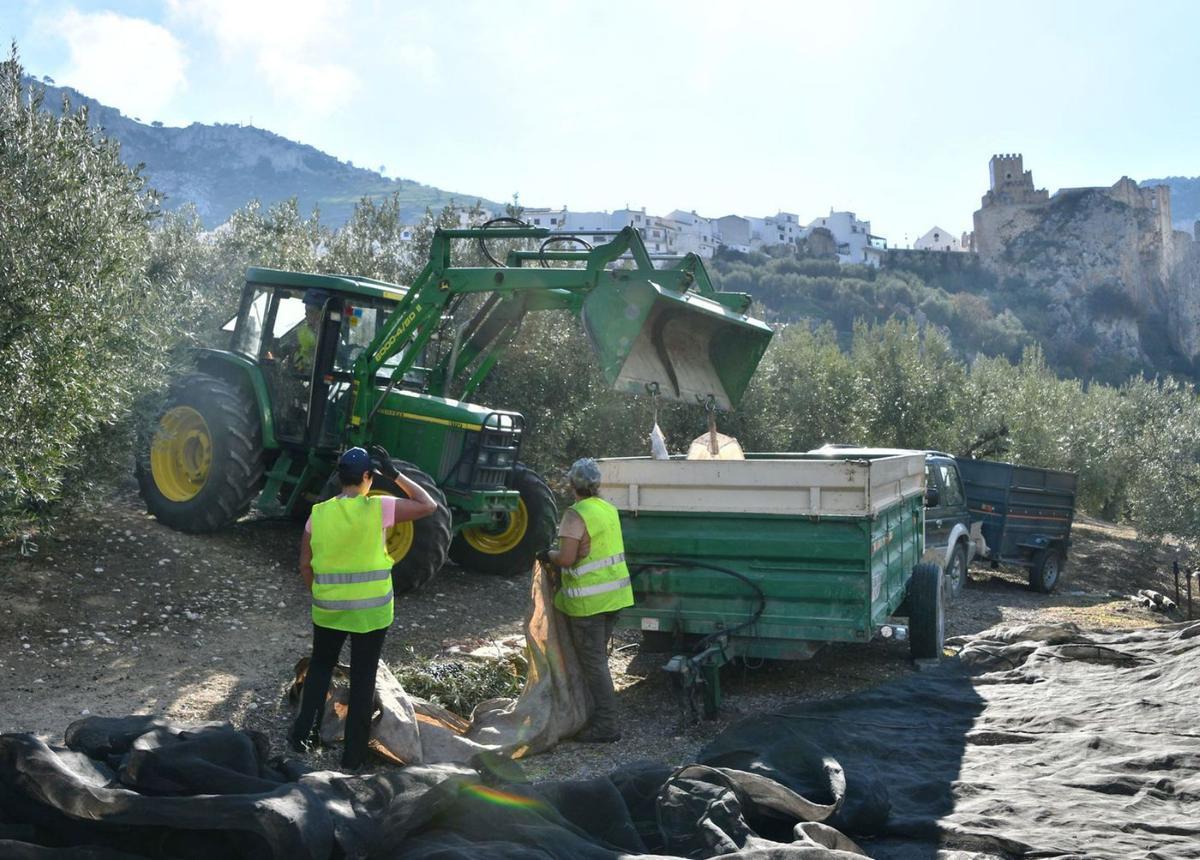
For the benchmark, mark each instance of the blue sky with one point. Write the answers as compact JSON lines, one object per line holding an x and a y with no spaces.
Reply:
{"x":888,"y":109}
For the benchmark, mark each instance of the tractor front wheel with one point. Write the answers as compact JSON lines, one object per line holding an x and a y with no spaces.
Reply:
{"x":509,"y":547}
{"x":201,"y":466}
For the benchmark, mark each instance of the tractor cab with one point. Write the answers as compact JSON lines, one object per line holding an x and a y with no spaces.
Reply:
{"x":305,"y":333}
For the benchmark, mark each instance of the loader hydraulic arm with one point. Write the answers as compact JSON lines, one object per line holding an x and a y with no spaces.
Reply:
{"x":665,"y":327}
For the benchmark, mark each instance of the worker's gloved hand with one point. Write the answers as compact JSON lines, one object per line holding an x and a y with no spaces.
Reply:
{"x":543,"y":555}
{"x":382,"y":461}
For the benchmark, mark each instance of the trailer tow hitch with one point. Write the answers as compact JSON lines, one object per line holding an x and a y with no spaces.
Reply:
{"x":697,"y":673}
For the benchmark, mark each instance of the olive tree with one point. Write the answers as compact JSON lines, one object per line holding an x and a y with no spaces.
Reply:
{"x":82,"y":327}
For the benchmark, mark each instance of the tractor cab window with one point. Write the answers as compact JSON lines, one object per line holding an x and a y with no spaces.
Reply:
{"x":248,"y":339}
{"x":288,"y":316}
{"x":358,"y":330}
{"x":294,"y":333}
{"x":248,"y":336}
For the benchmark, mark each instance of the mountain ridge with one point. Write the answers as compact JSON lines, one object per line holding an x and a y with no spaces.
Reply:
{"x":220,"y":167}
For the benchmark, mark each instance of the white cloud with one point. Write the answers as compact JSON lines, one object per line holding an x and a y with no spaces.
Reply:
{"x":290,"y":42}
{"x":131,"y":63}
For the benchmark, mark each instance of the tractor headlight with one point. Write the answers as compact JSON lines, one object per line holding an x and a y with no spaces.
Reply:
{"x":504,"y":458}
{"x":482,"y":458}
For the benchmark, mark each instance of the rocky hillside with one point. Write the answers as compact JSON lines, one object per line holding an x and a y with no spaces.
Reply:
{"x":219,"y":168}
{"x":1185,"y":199}
{"x":1115,"y":294}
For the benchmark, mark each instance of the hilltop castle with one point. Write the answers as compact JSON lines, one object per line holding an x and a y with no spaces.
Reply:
{"x":1013,"y":206}
{"x":1118,"y":282}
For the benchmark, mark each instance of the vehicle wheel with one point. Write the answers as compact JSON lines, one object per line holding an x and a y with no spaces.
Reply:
{"x":1047,"y":571}
{"x":417,"y":547}
{"x":510,"y":548}
{"x":203,"y":464}
{"x":927,"y":615}
{"x":956,"y":572}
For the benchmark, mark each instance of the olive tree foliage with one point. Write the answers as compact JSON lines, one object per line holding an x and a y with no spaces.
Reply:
{"x":372,"y":243}
{"x":82,"y":326}
{"x":1164,"y":463}
{"x":804,"y":394}
{"x":376,"y":242}
{"x":908,"y":384}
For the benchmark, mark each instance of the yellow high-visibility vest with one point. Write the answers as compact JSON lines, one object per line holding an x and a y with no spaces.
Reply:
{"x":352,"y":572}
{"x":600,"y":581}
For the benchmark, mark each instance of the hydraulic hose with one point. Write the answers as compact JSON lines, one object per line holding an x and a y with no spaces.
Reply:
{"x":670,"y":561}
{"x":503,"y":219}
{"x":587,"y":246}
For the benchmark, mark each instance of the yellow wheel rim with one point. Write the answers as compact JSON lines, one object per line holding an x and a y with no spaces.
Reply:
{"x":181,"y":454}
{"x":498,"y":542}
{"x":400,"y":536}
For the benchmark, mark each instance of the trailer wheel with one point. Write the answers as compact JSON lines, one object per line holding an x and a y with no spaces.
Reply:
{"x":201,"y":467}
{"x":510,"y":549}
{"x":927,"y":612}
{"x":1047,"y":570}
{"x":417,"y":547}
{"x":956,"y":572}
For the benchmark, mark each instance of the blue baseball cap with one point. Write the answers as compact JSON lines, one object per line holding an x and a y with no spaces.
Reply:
{"x":356,"y":460}
{"x":315,"y":298}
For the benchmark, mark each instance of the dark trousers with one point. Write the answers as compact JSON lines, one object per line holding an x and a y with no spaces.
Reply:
{"x":365,"y":649}
{"x":590,"y":635}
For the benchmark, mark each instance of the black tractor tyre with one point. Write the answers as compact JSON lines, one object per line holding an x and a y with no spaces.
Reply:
{"x":430,"y":535}
{"x":956,"y":572}
{"x":235,"y":456}
{"x":541,"y":523}
{"x":927,"y":612}
{"x":1047,"y":571}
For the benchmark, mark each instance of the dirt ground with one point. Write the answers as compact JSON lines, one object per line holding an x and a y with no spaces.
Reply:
{"x":116,"y":614}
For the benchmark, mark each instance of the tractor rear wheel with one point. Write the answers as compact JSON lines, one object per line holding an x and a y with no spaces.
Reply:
{"x":927,"y":612}
{"x":418,"y":547}
{"x":509,"y":548}
{"x":201,"y":467}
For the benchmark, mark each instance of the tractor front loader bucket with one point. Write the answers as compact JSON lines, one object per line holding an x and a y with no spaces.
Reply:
{"x":683,"y":345}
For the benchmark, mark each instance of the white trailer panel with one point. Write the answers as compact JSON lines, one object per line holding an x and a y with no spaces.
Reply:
{"x":818,"y":486}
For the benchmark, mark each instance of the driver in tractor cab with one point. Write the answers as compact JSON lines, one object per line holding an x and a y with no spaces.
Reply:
{"x":306,"y":335}
{"x":290,"y":377}
{"x":594,"y":585}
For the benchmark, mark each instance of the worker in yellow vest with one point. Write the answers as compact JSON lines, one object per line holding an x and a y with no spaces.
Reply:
{"x":594,"y":586}
{"x":306,"y":335}
{"x":344,"y":562}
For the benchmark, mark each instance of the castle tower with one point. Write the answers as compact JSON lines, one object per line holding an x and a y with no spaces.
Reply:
{"x":1011,"y":183}
{"x":1010,"y":194}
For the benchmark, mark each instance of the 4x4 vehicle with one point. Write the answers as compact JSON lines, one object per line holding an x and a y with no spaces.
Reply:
{"x":949,"y":539}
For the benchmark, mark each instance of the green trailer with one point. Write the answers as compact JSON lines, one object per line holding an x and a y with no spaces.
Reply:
{"x":773,"y":556}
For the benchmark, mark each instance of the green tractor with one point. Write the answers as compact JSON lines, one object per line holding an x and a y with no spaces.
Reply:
{"x":318,"y":363}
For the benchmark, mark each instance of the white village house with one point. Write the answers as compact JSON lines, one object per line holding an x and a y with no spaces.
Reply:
{"x":681,"y":232}
{"x":938,"y":239}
